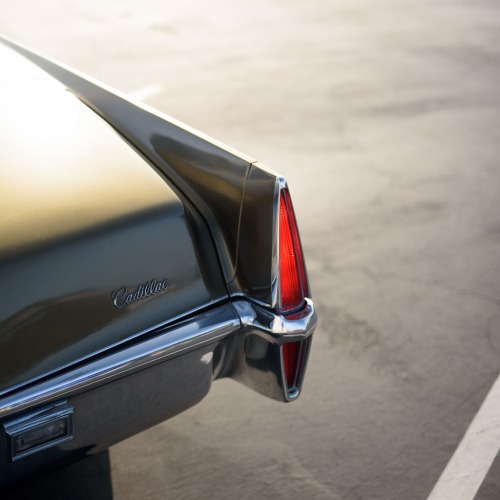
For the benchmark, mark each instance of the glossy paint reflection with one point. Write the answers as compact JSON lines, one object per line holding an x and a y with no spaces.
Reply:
{"x":234,"y":198}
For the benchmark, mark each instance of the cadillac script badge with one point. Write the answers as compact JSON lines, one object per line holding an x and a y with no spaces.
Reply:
{"x":123,"y":297}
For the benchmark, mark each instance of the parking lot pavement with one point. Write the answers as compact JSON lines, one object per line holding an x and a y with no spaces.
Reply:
{"x":474,"y":456}
{"x":386,"y":121}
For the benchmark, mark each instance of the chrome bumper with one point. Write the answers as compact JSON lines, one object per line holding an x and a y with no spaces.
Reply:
{"x":155,"y":377}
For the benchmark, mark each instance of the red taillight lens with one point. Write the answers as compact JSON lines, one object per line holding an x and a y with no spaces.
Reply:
{"x":293,"y":277}
{"x":291,"y":361}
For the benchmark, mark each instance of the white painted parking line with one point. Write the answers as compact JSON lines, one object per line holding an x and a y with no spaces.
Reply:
{"x":462,"y":477}
{"x":147,"y":92}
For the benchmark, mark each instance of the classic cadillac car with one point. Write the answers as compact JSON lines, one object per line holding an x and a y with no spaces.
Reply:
{"x":139,"y":261}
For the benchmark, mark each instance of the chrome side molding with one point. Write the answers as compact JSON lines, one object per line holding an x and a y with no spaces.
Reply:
{"x":252,"y":352}
{"x":205,"y":328}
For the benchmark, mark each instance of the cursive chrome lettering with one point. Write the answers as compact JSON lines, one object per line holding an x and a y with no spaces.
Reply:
{"x":123,"y":297}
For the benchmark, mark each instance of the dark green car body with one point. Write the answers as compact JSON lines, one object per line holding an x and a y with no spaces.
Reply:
{"x":139,"y":261}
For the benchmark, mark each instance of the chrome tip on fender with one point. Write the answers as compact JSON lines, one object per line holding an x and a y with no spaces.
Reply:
{"x":272,"y":351}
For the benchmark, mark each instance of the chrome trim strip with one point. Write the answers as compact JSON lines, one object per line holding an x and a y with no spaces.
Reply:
{"x":164,"y":325}
{"x":280,"y":185}
{"x":204,"y":329}
{"x":275,"y":266}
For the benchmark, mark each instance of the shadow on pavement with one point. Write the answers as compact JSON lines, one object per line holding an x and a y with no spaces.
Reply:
{"x":87,"y":479}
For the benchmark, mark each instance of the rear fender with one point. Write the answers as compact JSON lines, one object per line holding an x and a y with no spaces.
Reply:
{"x":235,"y":197}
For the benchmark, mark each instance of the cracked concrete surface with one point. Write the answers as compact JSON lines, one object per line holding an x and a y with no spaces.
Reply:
{"x":385,"y":119}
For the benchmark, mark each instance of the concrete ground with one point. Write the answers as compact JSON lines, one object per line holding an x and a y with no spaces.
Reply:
{"x":385,"y":119}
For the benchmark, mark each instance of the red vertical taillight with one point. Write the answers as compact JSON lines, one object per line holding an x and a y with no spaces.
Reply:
{"x":294,"y":286}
